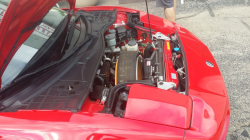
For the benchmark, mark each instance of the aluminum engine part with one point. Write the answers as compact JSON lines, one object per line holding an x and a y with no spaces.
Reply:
{"x":159,"y":35}
{"x":166,"y":85}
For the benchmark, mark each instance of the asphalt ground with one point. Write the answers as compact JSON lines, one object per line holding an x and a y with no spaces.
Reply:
{"x":224,"y":26}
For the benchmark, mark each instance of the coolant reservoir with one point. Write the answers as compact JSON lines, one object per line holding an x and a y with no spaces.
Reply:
{"x":132,"y":46}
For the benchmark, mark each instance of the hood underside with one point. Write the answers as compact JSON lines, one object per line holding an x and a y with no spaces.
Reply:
{"x":18,"y":22}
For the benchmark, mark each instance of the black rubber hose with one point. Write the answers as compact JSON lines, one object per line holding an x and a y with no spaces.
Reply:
{"x":147,"y":50}
{"x":100,"y":79}
{"x":112,"y":94}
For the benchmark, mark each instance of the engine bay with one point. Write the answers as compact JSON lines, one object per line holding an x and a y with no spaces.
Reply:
{"x":135,"y":56}
{"x":121,"y":54}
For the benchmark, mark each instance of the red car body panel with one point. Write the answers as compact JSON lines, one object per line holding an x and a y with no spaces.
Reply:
{"x":65,"y":125}
{"x":210,"y":109}
{"x":159,"y":106}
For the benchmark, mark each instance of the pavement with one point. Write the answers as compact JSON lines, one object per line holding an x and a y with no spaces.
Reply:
{"x":224,"y":26}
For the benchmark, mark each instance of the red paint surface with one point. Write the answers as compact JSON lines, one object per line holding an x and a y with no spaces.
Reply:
{"x":205,"y":83}
{"x":211,"y":108}
{"x":205,"y":124}
{"x":91,"y":106}
{"x":155,"y":105}
{"x":65,"y":125}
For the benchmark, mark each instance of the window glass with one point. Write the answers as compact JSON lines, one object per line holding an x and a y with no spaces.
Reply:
{"x":46,"y":28}
{"x":33,"y":44}
{"x":63,"y":4}
{"x":3,"y":6}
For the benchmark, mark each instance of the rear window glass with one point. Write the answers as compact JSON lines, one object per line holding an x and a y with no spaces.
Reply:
{"x":3,"y":6}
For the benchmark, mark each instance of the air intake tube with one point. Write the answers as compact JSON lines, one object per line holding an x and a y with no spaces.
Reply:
{"x":148,"y":51}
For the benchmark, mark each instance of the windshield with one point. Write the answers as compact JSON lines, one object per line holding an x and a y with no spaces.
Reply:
{"x":43,"y":46}
{"x":3,"y":7}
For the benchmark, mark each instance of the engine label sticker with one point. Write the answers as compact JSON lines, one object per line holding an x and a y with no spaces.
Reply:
{"x":168,"y":46}
{"x":148,"y":63}
{"x":173,"y":76}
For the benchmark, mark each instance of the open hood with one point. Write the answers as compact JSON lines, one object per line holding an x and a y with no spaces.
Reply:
{"x":18,"y":22}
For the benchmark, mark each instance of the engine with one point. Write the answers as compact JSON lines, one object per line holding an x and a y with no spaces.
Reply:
{"x":134,"y":55}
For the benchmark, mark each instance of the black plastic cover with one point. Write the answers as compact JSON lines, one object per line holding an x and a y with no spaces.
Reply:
{"x":122,"y":32}
{"x":105,"y":72}
{"x":121,"y":29}
{"x":97,"y":92}
{"x":133,"y":21}
{"x":121,"y":105}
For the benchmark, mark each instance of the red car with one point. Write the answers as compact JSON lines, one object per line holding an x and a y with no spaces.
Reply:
{"x":105,"y":72}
